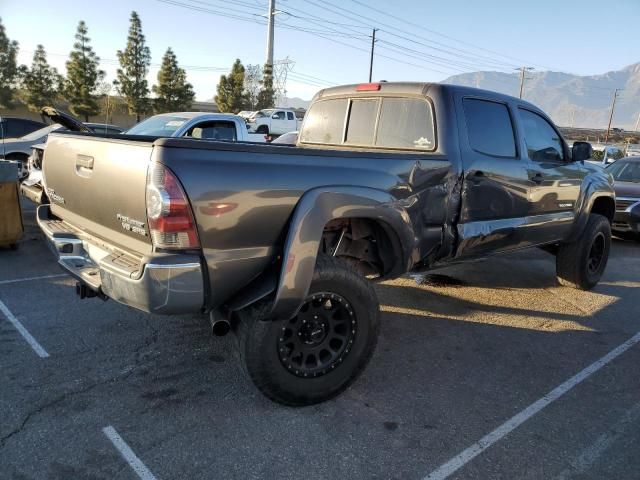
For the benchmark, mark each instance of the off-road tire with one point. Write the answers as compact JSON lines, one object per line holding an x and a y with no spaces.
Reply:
{"x":258,"y":339}
{"x":573,"y":259}
{"x":263,"y":129}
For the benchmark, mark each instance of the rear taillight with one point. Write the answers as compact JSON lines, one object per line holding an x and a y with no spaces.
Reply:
{"x":168,"y":211}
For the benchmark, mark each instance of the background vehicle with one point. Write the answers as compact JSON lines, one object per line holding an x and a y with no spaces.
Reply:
{"x":20,"y":148}
{"x":633,"y":150}
{"x":205,"y":126}
{"x":626,"y":174}
{"x":281,"y":242}
{"x":290,"y":138}
{"x":273,"y":121}
{"x":606,"y":154}
{"x":12,"y":127}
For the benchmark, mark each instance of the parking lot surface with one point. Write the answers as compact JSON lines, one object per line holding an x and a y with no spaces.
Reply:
{"x":460,"y":355}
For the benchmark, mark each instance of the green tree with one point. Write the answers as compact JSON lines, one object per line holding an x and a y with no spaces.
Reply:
{"x":231,"y":96}
{"x":173,"y":92}
{"x":83,"y":76}
{"x":132,"y":76}
{"x":266,"y":97}
{"x":8,"y":69}
{"x":41,"y":82}
{"x":252,"y":84}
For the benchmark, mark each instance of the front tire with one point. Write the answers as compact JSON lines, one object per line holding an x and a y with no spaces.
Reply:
{"x":321,"y":351}
{"x":263,"y":129}
{"x":581,"y":264}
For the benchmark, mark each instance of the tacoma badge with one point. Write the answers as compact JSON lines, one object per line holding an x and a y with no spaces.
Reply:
{"x":132,"y":225}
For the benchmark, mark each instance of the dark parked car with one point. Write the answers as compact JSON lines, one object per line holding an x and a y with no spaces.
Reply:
{"x":626,"y":173}
{"x":281,"y":243}
{"x":12,"y":127}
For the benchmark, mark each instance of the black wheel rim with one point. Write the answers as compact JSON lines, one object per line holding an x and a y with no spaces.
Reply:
{"x":318,"y":339}
{"x":596,"y":253}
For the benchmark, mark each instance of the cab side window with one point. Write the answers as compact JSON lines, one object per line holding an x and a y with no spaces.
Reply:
{"x":279,"y":116}
{"x":489,"y":127}
{"x":290,"y":116}
{"x":543,"y":142}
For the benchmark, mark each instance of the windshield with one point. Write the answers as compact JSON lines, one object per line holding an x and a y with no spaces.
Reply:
{"x":158,"y":126}
{"x":625,"y":171}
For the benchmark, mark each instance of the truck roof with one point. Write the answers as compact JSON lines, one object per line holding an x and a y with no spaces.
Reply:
{"x":410,"y":88}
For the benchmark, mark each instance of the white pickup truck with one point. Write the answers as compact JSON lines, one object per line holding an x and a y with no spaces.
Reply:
{"x":274,"y":121}
{"x":206,"y":126}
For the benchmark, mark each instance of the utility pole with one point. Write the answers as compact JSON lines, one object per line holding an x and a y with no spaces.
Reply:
{"x":373,"y":44}
{"x":613,"y":106}
{"x":270,"y":28}
{"x":522,"y":77}
{"x":637,"y":122}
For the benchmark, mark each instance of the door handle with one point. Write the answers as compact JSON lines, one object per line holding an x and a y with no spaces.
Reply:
{"x":537,"y":178}
{"x":84,"y":161}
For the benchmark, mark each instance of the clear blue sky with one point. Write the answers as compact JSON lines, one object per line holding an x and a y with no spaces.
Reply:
{"x":330,"y":45}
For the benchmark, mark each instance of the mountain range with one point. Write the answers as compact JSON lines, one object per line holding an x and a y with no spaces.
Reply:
{"x":570,"y":100}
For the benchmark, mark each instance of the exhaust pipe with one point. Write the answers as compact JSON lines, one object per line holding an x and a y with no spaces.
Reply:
{"x":219,"y":326}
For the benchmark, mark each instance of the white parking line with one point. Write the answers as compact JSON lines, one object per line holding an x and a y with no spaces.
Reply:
{"x":42,"y":353}
{"x":132,"y":459}
{"x":28,"y":279}
{"x":457,"y":462}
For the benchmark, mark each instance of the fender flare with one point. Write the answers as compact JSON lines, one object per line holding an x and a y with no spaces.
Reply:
{"x":313,"y":211}
{"x":595,"y":186}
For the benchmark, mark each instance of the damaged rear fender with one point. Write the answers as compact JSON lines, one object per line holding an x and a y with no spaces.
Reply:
{"x":314,"y":210}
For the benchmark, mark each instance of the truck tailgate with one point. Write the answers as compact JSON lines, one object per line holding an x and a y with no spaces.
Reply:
{"x":98,"y":185}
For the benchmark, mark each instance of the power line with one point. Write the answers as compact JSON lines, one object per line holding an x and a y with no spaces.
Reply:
{"x":433,"y":59}
{"x":434,"y":32}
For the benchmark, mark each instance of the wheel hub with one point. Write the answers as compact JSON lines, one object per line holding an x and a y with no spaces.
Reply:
{"x":319,"y":338}
{"x":596,"y":253}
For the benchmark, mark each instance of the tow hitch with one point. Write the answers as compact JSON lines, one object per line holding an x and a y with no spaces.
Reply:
{"x":84,"y":291}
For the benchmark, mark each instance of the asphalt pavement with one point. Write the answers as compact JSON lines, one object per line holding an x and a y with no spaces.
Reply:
{"x":483,"y":371}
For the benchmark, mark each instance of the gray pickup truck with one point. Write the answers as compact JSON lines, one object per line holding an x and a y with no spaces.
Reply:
{"x":281,"y":243}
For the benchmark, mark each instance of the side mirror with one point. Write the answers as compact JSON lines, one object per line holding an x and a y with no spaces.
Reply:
{"x":581,"y":151}
{"x":275,"y":116}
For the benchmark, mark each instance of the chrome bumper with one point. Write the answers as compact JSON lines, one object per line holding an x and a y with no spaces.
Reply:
{"x":161,"y":283}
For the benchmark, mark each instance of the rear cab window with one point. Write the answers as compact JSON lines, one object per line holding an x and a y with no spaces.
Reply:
{"x":405,"y":123}
{"x":489,"y":127}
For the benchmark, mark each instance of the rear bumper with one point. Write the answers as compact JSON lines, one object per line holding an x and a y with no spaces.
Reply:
{"x":159,"y":283}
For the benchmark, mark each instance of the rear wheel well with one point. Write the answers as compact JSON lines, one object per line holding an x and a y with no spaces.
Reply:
{"x":604,"y":206}
{"x":370,"y":245}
